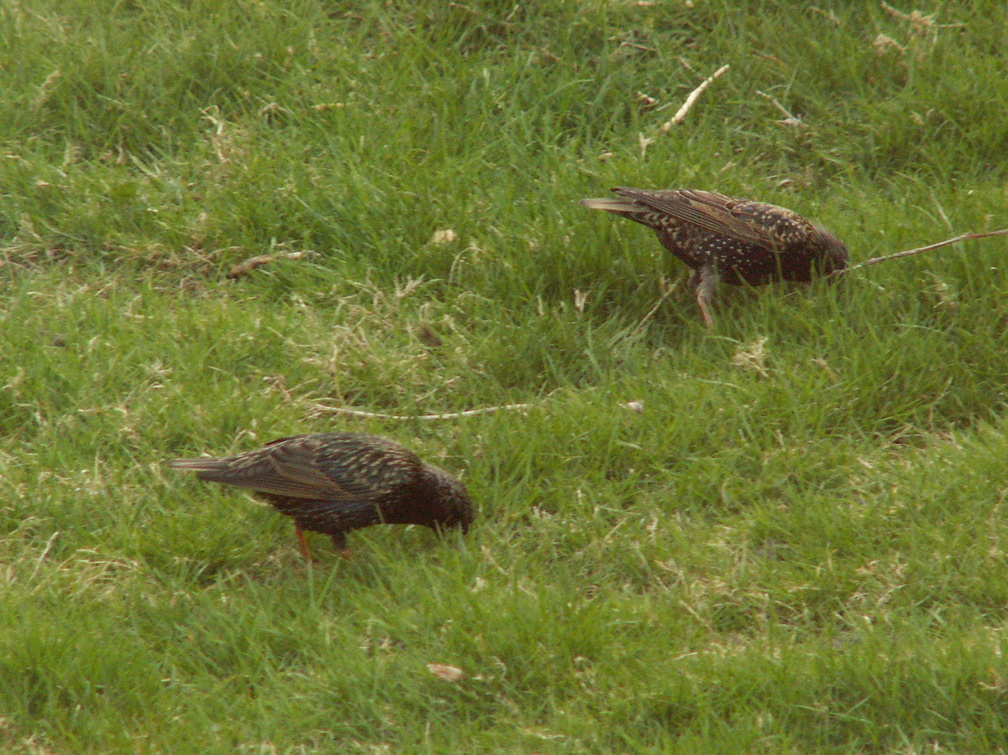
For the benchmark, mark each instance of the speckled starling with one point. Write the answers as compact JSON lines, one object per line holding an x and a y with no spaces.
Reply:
{"x":735,"y":240}
{"x":337,"y":482}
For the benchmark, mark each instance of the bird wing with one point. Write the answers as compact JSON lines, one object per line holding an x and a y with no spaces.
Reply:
{"x":285,"y":467}
{"x":296,"y":467}
{"x":324,"y":467}
{"x":754,"y":222}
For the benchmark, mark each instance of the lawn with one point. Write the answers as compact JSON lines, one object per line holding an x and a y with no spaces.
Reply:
{"x":787,"y":534}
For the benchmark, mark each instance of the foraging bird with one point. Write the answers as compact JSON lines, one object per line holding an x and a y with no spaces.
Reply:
{"x":737,"y":240}
{"x":337,"y":482}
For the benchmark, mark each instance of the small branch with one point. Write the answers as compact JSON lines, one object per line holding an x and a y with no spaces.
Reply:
{"x":917,"y":19}
{"x":828,"y":14}
{"x":691,"y":100}
{"x":45,"y":552}
{"x":650,"y":314}
{"x":642,"y":48}
{"x":893,"y":12}
{"x":323,"y":409}
{"x":244,"y":268}
{"x":790,"y":119}
{"x":918,"y":250}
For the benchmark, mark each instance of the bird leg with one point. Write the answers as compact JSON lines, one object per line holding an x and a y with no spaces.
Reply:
{"x":303,"y":542}
{"x":339,"y":540}
{"x":703,"y":282}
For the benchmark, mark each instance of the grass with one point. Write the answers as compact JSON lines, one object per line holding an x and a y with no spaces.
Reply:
{"x":798,"y":544}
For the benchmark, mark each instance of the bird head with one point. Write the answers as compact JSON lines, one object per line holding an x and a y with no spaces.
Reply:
{"x":836,"y":252}
{"x":452,"y":502}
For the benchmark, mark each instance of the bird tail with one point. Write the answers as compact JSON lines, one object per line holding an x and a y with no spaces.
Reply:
{"x":614,"y":204}
{"x":206,"y":468}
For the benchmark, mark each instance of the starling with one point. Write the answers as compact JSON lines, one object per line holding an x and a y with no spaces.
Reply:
{"x":737,"y":240}
{"x":334,"y":483}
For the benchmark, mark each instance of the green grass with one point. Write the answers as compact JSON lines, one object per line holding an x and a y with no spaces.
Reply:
{"x":805,"y":550}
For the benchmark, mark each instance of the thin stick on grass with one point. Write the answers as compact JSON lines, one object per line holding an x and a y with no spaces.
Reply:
{"x":917,"y":19}
{"x":918,"y":250}
{"x":323,"y":409}
{"x":650,"y":314}
{"x":247,"y":266}
{"x":790,"y":119}
{"x":680,"y":116}
{"x":45,"y":552}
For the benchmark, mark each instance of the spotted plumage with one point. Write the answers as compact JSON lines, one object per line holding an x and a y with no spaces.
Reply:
{"x":334,"y":483}
{"x":735,"y":240}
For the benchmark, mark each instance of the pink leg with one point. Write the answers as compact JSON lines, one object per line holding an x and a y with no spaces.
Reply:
{"x":704,"y":282}
{"x":303,"y":542}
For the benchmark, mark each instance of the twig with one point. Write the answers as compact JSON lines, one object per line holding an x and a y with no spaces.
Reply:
{"x":45,"y":552}
{"x":918,"y":250}
{"x":643,"y":322}
{"x":830,"y":15}
{"x":643,"y":142}
{"x":322,"y":408}
{"x":790,"y":119}
{"x":642,"y":48}
{"x":893,"y":12}
{"x":883,"y":44}
{"x":917,"y":18}
{"x":691,"y":100}
{"x":244,"y":268}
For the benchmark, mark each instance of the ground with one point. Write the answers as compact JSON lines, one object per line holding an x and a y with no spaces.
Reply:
{"x":786,"y":534}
